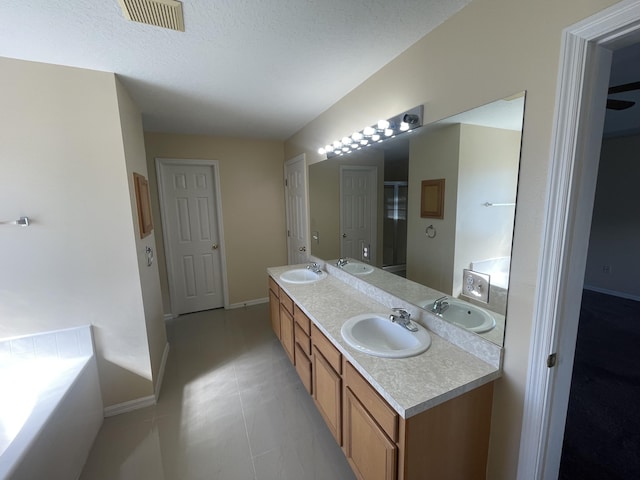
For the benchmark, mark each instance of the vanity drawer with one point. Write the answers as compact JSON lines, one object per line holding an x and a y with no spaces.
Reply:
{"x":303,"y":367}
{"x":302,"y":320}
{"x":379,"y":409}
{"x":273,"y":286}
{"x":302,"y":339}
{"x":326,"y":348}
{"x":286,"y":302}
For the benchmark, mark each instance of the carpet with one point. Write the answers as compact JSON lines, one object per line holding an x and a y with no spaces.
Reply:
{"x":602,"y":434}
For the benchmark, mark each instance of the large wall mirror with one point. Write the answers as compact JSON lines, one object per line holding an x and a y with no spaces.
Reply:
{"x":429,"y":214}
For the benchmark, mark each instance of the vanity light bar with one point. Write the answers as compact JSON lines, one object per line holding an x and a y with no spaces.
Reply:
{"x":405,"y":122}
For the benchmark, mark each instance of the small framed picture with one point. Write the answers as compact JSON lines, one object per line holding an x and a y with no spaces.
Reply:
{"x":144,"y":204}
{"x":432,"y":199}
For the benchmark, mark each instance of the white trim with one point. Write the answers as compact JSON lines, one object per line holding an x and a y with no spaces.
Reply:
{"x":163,"y":364}
{"x":249,"y":303}
{"x":580,"y":101}
{"x":169,"y":316}
{"x":129,"y":406}
{"x":214,"y":164}
{"x":613,"y":293}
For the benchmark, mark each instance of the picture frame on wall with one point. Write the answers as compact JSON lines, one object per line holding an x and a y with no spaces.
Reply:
{"x":432,"y":198}
{"x":143,"y":202}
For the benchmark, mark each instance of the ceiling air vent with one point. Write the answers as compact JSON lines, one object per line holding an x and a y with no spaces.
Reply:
{"x":161,"y":13}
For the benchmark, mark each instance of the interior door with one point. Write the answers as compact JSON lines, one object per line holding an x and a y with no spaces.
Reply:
{"x":295,"y":171}
{"x":358,"y":204}
{"x":191,"y":233}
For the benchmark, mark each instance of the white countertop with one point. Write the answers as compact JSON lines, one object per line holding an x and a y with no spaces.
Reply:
{"x":410,"y":385}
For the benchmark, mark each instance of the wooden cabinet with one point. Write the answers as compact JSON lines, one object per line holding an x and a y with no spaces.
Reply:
{"x":274,"y":306}
{"x":449,"y":441}
{"x":370,"y":452}
{"x":327,"y":382}
{"x":286,"y":330}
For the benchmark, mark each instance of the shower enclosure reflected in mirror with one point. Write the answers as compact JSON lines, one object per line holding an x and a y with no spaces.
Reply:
{"x":367,"y":206}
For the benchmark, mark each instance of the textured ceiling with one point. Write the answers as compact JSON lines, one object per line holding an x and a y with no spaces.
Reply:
{"x":242,"y":68}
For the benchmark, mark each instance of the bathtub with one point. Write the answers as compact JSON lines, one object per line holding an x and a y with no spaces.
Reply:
{"x":50,"y":405}
{"x":498,"y":268}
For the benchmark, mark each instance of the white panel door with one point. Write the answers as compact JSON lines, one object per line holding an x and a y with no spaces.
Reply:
{"x":295,"y":172}
{"x":358,"y":204}
{"x":192,"y":241}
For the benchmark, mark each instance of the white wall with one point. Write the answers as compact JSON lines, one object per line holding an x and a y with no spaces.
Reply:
{"x":615,"y":227}
{"x":63,"y":164}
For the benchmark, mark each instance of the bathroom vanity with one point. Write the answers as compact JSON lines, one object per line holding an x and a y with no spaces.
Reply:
{"x":421,"y":417}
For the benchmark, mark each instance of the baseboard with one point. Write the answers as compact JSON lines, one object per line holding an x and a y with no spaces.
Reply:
{"x":249,"y":303}
{"x":129,"y":406}
{"x":613,"y":293}
{"x":163,"y":364}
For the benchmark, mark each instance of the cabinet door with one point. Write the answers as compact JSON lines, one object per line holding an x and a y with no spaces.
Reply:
{"x":327,"y":393}
{"x":303,"y":367}
{"x":371,"y":454}
{"x":274,"y":308}
{"x":286,"y":332}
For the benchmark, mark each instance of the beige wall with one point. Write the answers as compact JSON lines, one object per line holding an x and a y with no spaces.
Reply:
{"x":251,"y":180}
{"x":488,"y":172}
{"x":63,"y":164}
{"x":136,"y":161}
{"x":430,"y":260}
{"x":491,"y":49}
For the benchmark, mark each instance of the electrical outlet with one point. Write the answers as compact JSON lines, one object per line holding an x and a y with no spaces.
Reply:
{"x":476,"y":285}
{"x":366,"y":252}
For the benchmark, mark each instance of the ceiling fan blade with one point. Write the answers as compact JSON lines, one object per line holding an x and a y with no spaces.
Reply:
{"x":626,"y":87}
{"x":619,"y":104}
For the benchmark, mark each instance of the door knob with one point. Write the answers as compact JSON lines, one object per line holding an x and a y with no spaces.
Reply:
{"x":214,"y":246}
{"x":303,"y":249}
{"x":344,"y":235}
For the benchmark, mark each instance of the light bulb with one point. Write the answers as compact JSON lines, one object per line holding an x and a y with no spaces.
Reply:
{"x":375,"y":137}
{"x":357,"y":136}
{"x":322,"y":151}
{"x":388,"y":132}
{"x":328,"y":148}
{"x":383,"y":124}
{"x":369,"y":131}
{"x":404,"y":126}
{"x":337,"y":144}
{"x":346,"y":140}
{"x":364,"y":141}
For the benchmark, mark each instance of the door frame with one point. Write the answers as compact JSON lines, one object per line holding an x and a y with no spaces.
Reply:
{"x":168,"y":255}
{"x":298,"y":158}
{"x":576,"y":136}
{"x":373,"y":171}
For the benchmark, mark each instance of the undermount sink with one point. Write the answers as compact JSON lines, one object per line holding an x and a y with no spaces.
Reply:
{"x":357,"y":268}
{"x":376,"y":334}
{"x":465,"y":315}
{"x":302,"y":275}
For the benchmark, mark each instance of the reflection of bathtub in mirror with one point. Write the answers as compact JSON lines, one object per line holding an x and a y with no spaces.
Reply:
{"x":497,"y":268}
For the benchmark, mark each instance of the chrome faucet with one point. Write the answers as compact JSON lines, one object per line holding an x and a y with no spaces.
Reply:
{"x":440,"y":305}
{"x":403,"y":319}
{"x":314,"y":268}
{"x":342,"y":262}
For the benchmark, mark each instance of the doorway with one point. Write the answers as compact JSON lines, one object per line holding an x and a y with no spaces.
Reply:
{"x":295,"y":187}
{"x":576,"y":140}
{"x":358,"y":212}
{"x":192,"y":230}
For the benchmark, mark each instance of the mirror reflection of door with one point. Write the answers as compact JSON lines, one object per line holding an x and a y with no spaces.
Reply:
{"x":358,"y":211}
{"x":296,"y":210}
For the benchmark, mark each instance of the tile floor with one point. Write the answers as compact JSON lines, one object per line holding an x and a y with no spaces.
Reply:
{"x":231,"y":408}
